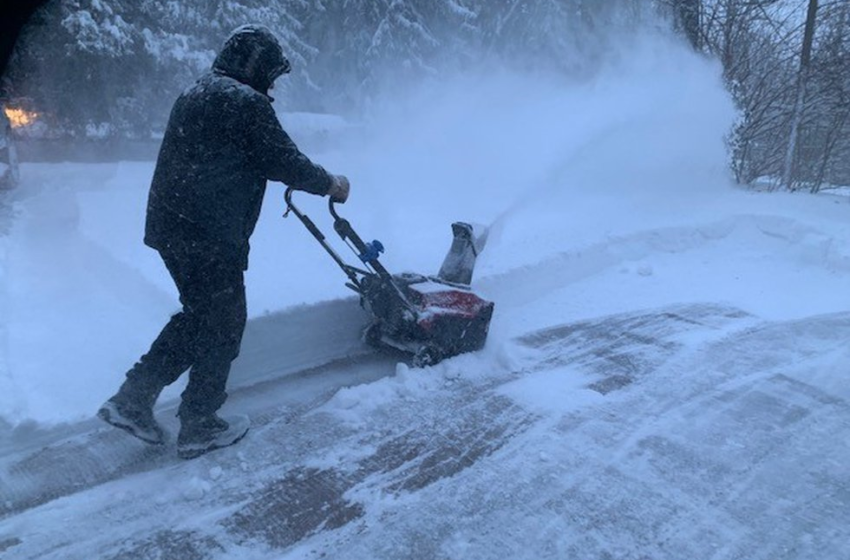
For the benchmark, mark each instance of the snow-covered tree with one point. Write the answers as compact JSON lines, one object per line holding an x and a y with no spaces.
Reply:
{"x":114,"y":67}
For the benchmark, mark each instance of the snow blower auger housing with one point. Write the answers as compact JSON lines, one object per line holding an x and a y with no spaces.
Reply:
{"x":430,"y":317}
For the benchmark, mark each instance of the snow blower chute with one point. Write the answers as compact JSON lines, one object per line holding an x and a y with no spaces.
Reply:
{"x":430,"y":317}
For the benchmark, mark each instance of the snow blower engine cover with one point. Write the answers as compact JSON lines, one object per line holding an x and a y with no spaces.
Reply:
{"x":448,"y":319}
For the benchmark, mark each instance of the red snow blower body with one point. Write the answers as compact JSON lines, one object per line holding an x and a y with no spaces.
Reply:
{"x":429,"y":317}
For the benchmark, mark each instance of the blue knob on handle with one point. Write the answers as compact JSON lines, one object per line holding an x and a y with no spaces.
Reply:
{"x":372,"y":251}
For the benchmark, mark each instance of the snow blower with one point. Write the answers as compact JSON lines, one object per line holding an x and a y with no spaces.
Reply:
{"x":429,"y":317}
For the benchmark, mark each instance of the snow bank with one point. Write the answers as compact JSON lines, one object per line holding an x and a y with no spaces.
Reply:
{"x":75,"y":310}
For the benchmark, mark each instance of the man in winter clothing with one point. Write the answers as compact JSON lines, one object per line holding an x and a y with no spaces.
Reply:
{"x":222,"y":143}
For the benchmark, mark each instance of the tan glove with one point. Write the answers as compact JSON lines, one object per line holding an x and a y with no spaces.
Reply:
{"x":339,"y":189}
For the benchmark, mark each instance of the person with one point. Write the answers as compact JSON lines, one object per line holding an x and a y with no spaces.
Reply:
{"x":222,"y":143}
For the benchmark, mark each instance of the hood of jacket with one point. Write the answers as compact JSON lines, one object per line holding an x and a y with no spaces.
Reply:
{"x":252,"y":55}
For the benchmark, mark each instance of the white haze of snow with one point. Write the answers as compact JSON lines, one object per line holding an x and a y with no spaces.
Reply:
{"x":603,"y":195}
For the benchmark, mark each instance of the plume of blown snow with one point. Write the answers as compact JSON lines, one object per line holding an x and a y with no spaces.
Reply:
{"x":555,"y":156}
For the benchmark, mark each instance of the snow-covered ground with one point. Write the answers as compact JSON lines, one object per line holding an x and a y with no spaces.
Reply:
{"x":666,"y":374}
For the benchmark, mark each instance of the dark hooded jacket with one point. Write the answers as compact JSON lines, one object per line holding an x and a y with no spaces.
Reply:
{"x":222,"y":143}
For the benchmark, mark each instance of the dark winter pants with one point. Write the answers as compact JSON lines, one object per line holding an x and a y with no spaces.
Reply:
{"x":204,"y":337}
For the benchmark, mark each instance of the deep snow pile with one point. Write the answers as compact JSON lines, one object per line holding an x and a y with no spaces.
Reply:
{"x":605,"y":195}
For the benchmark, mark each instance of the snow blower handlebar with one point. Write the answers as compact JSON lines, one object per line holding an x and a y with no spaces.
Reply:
{"x":354,"y":274}
{"x":367,"y":252}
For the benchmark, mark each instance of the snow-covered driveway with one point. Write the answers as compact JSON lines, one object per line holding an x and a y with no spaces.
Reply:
{"x":689,"y":431}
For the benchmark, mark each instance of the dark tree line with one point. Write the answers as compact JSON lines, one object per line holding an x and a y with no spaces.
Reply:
{"x":112,"y":68}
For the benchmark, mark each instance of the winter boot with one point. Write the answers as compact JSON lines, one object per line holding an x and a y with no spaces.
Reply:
{"x":131,"y":409}
{"x":201,"y":434}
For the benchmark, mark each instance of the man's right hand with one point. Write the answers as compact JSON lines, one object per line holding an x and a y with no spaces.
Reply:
{"x":339,"y":189}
